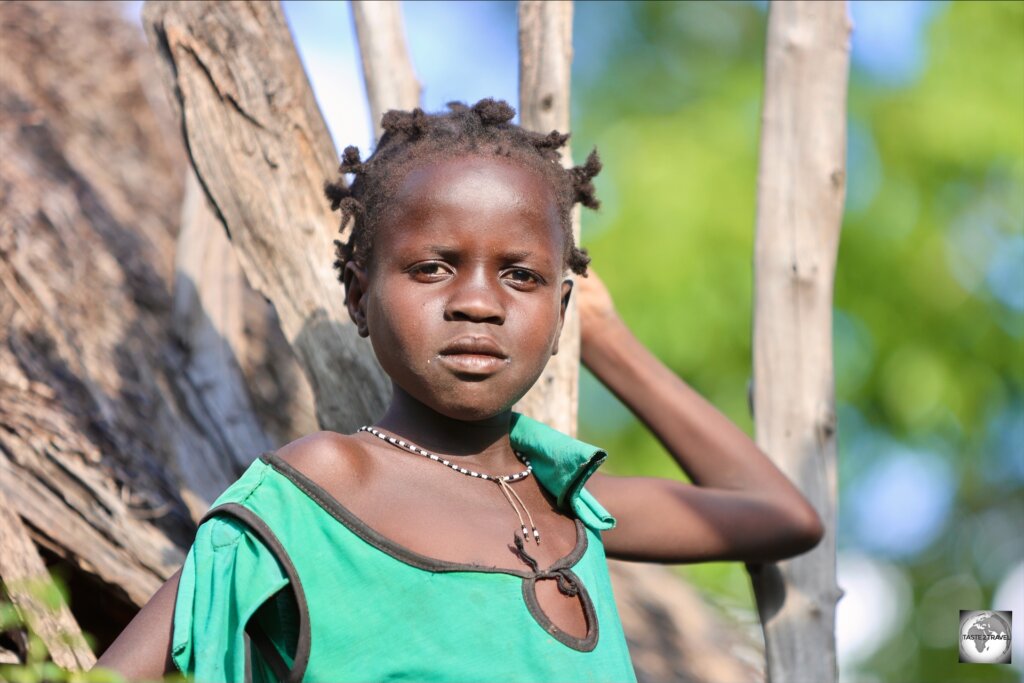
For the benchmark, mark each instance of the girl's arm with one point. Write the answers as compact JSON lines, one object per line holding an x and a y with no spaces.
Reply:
{"x":143,"y":650}
{"x":742,"y":507}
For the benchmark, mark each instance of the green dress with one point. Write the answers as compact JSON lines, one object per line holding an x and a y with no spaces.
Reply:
{"x":283,"y":582}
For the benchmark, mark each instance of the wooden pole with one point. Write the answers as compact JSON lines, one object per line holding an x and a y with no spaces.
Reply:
{"x":801,"y":187}
{"x":545,"y":66}
{"x":387,"y":68}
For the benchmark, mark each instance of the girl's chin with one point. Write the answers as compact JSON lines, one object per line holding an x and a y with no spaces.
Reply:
{"x":466,"y":401}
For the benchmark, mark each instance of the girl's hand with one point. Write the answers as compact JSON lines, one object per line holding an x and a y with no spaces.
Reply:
{"x":596,"y":308}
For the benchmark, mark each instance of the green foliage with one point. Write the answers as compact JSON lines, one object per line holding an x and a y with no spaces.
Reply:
{"x":928,"y":332}
{"x":52,"y":593}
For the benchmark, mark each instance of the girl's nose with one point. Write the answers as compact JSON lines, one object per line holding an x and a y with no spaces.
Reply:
{"x":476,"y":298}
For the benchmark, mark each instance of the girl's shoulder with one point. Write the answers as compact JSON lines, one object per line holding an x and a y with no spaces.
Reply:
{"x":336,"y":462}
{"x":323,"y":457}
{"x":322,"y":451}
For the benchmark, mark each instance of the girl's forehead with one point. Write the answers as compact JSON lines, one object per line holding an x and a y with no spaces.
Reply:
{"x":477,"y":178}
{"x":475,"y":203}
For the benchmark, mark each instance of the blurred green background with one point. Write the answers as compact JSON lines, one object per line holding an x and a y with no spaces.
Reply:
{"x":929,"y":298}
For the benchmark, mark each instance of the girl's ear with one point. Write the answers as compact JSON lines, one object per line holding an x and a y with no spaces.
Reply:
{"x":566,"y":293}
{"x":357,"y":283}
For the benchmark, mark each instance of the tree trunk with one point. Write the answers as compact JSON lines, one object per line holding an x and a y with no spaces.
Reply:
{"x":93,"y":427}
{"x":800,"y":204}
{"x":111,"y":444}
{"x":262,"y":153}
{"x":28,"y":584}
{"x":240,"y":370}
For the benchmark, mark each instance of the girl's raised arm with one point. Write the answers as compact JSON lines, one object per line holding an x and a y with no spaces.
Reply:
{"x":742,"y":507}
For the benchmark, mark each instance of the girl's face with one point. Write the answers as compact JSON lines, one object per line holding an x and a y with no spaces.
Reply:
{"x":464,"y":298}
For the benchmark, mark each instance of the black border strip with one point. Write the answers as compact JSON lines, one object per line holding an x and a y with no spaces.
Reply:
{"x":585,"y":644}
{"x":396,"y":550}
{"x":260,"y":528}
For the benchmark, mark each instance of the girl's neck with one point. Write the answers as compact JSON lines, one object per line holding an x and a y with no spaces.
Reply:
{"x":411,"y":420}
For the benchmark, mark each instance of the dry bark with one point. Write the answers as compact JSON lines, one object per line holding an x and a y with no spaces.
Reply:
{"x":673,"y":634}
{"x":261,"y":152}
{"x":240,"y":369}
{"x":108,"y":448}
{"x":800,"y":203}
{"x":89,"y":420}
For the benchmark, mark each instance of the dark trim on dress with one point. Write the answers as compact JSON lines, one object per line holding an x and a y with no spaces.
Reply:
{"x":396,"y":550}
{"x":585,"y":644}
{"x":263,"y":532}
{"x":559,"y":567}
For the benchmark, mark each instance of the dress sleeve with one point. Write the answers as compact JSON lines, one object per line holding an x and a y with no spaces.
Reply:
{"x":563,"y":465}
{"x":227,"y":575}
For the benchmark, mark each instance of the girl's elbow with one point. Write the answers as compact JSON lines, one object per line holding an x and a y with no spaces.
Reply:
{"x":792,"y":532}
{"x":801,"y":531}
{"x":808,"y":532}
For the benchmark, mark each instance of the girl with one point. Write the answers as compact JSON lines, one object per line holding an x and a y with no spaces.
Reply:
{"x":454,"y":539}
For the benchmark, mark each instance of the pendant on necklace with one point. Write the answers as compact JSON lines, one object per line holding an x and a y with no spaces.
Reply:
{"x":503,"y":482}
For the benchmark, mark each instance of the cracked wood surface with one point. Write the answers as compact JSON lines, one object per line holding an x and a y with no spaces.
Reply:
{"x":22,"y":570}
{"x":261,"y":152}
{"x":85,"y":409}
{"x":108,"y":453}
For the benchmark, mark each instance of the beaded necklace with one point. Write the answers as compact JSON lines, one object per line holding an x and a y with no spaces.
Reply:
{"x":502,"y":481}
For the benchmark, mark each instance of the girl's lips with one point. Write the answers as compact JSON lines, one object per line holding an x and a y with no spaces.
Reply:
{"x":473,"y":363}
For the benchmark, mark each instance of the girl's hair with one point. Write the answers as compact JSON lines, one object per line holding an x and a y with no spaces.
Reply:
{"x":411,"y":137}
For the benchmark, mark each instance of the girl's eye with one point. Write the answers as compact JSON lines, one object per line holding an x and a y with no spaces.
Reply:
{"x":429,"y":270}
{"x":523,"y":276}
